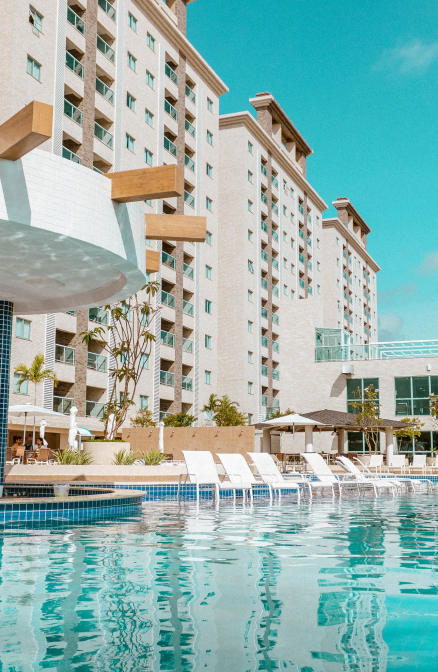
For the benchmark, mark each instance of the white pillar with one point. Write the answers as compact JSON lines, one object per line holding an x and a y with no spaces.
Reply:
{"x":308,"y":432}
{"x":389,"y":435}
{"x":266,"y":448}
{"x":342,"y":442}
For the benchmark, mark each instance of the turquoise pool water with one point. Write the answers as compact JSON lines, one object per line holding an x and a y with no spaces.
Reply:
{"x":322,"y":587}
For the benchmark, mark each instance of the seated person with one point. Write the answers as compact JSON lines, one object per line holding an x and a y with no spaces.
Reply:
{"x":17,"y":443}
{"x":39,"y":445}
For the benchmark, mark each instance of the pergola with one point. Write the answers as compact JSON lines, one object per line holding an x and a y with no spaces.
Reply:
{"x":326,"y":421}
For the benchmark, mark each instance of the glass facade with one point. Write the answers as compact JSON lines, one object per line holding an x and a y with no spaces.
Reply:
{"x":353,"y":387}
{"x":357,"y":444}
{"x":412,"y":394}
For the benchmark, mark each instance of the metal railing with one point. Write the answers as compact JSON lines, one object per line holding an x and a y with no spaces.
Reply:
{"x":64,"y":354}
{"x":105,"y":49}
{"x":108,"y":9}
{"x":190,"y":163}
{"x":74,"y":65}
{"x":168,"y":260}
{"x":171,"y":110}
{"x":275,"y":346}
{"x":103,"y":135}
{"x":167,"y":299}
{"x":94,"y":409}
{"x":98,"y":315}
{"x":189,"y":199}
{"x":191,"y":130}
{"x":71,"y":156}
{"x":384,"y":350}
{"x":168,"y":339}
{"x":188,"y":308}
{"x":275,"y":290}
{"x":73,"y":112}
{"x":170,"y":146}
{"x":275,"y":318}
{"x":104,"y":91}
{"x":188,"y":271}
{"x":75,"y":20}
{"x":171,"y":73}
{"x":62,"y":404}
{"x":191,"y":95}
{"x":166,"y":378}
{"x":187,"y":383}
{"x":97,"y":362}
{"x":187,"y":345}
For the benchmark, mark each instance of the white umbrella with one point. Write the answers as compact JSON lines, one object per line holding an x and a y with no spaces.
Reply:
{"x":111,"y":426}
{"x":73,"y":430}
{"x":161,"y":438}
{"x":287,"y":421}
{"x":29,"y":409}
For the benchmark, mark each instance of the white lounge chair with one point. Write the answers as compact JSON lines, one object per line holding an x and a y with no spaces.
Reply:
{"x":268,"y":472}
{"x":376,"y":463}
{"x":398,"y":462}
{"x":402,"y":482}
{"x":375,"y":483}
{"x":326,"y":478}
{"x":418,"y":462}
{"x":238,"y":471}
{"x":201,"y":470}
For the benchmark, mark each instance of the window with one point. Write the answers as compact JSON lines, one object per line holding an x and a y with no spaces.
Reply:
{"x":250,"y":266}
{"x":285,"y":236}
{"x":317,"y":242}
{"x":209,"y":105}
{"x":132,"y":22}
{"x":337,"y":283}
{"x":122,"y":397}
{"x":209,"y":138}
{"x":337,"y":262}
{"x":132,"y":62}
{"x":292,"y":294}
{"x":207,"y":377}
{"x":208,"y":238}
{"x":208,"y":306}
{"x":412,"y":394}
{"x":337,"y":241}
{"x":37,"y":21}
{"x":318,"y":268}
{"x":22,"y":328}
{"x":250,"y":206}
{"x":150,"y":41}
{"x":285,"y":290}
{"x":209,"y":170}
{"x":33,"y":68}
{"x":144,"y":401}
{"x":144,"y":361}
{"x":292,"y":193}
{"x":356,"y":387}
{"x":150,"y":79}
{"x":292,"y":243}
{"x":250,"y":236}
{"x":149,"y":118}
{"x":130,"y":143}
{"x":250,"y":147}
{"x":149,"y":202}
{"x":250,"y":326}
{"x":284,"y":262}
{"x":148,"y":157}
{"x":292,"y":269}
{"x":250,"y":176}
{"x":318,"y":289}
{"x":208,"y":272}
{"x":249,"y":388}
{"x":130,"y":102}
{"x":291,"y":217}
{"x":20,"y":389}
{"x":249,"y":418}
{"x":250,"y":294}
{"x":208,"y":341}
{"x":284,"y":210}
{"x":208,"y":203}
{"x":249,"y":357}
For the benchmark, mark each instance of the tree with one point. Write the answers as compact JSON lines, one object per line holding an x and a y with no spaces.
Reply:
{"x":367,"y":411}
{"x":278,"y":414}
{"x":128,"y":345}
{"x":144,"y":418}
{"x":433,"y":405}
{"x":179,"y":420}
{"x":36,"y":374}
{"x":225,"y":412}
{"x":410,"y":433}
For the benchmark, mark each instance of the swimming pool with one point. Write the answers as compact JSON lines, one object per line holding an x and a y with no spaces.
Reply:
{"x":324,"y":587}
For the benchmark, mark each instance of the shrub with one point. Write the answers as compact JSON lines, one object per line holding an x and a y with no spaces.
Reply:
{"x":144,"y":418}
{"x":124,"y":457}
{"x":179,"y":420}
{"x":68,"y":456}
{"x":152,"y":457}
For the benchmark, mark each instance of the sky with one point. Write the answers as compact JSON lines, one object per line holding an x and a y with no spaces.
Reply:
{"x":359,"y":81}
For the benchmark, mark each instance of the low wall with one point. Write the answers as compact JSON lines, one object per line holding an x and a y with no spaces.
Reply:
{"x":27,"y":473}
{"x":102,"y":452}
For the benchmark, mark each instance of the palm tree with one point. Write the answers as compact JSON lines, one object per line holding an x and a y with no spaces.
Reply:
{"x":35,"y":373}
{"x":225,"y":412}
{"x":213,"y":402}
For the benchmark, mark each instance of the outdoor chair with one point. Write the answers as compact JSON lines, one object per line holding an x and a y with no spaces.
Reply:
{"x":270,"y":475}
{"x":370,"y":482}
{"x":432,"y":463}
{"x":43,"y":457}
{"x":238,"y":471}
{"x":326,"y":478}
{"x":201,"y":470}
{"x":402,"y":482}
{"x":418,"y":462}
{"x":376,"y":463}
{"x":398,"y":462}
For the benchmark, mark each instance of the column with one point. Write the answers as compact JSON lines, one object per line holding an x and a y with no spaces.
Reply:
{"x":342,"y":442}
{"x":308,"y":433}
{"x":6,"y":312}
{"x":266,"y":448}
{"x":389,"y":436}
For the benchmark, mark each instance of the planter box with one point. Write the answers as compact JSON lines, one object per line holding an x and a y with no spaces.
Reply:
{"x":103,"y":451}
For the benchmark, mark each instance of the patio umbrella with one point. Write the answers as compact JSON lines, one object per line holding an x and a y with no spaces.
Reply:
{"x":43,"y":425}
{"x":73,"y":430}
{"x":29,"y":409}
{"x":111,"y":426}
{"x":161,"y":438}
{"x":285,"y":422}
{"x":82,"y":431}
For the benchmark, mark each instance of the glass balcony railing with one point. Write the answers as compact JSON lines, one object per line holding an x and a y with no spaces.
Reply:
{"x":188,"y":308}
{"x":264,"y":255}
{"x":276,"y":374}
{"x":189,"y":199}
{"x":275,"y":290}
{"x":309,"y":218}
{"x":309,"y":241}
{"x":71,"y":156}
{"x":264,"y":198}
{"x":167,"y":339}
{"x":264,"y":370}
{"x":106,"y":49}
{"x":301,"y":281}
{"x":264,"y":170}
{"x":171,"y":110}
{"x":264,"y":283}
{"x":73,"y":112}
{"x":276,"y":403}
{"x":170,"y":146}
{"x":74,"y":65}
{"x":103,"y":135}
{"x":275,"y":346}
{"x":171,"y":74}
{"x":187,"y":345}
{"x":62,"y":404}
{"x":168,"y":299}
{"x":265,"y":341}
{"x":97,"y":362}
{"x":301,"y":257}
{"x":264,"y":400}
{"x":275,"y":263}
{"x":187,"y":383}
{"x":264,"y":226}
{"x":98,"y":315}
{"x":191,"y":130}
{"x":275,"y":318}
{"x":75,"y":20}
{"x":64,"y":354}
{"x":188,"y":271}
{"x":274,"y":181}
{"x":275,"y":236}
{"x":310,"y":290}
{"x":70,"y":312}
{"x":190,"y":163}
{"x":191,"y":95}
{"x":168,"y":260}
{"x":108,"y":9}
{"x":300,"y":208}
{"x":94,"y":409}
{"x":166,"y":378}
{"x":274,"y":208}
{"x":104,"y":91}
{"x":309,"y":265}
{"x":264,"y":312}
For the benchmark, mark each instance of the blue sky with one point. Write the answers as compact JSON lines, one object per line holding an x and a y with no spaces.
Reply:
{"x":359,"y":80}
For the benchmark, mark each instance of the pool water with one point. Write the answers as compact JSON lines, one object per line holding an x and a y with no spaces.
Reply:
{"x":321,"y":587}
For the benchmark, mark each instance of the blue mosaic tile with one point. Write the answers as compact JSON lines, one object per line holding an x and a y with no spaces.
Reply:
{"x":6,"y":314}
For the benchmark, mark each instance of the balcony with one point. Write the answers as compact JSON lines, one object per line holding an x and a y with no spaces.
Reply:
{"x":264,"y":370}
{"x":191,"y":95}
{"x":103,"y":135}
{"x":264,"y":312}
{"x":309,"y":218}
{"x":171,"y":110}
{"x":71,"y":156}
{"x":74,"y":65}
{"x":190,"y":163}
{"x":189,"y":199}
{"x":309,"y":241}
{"x":64,"y":354}
{"x":274,"y":208}
{"x":171,"y":74}
{"x":263,"y":170}
{"x":75,"y":20}
{"x":275,"y":318}
{"x":187,"y":345}
{"x":264,"y":341}
{"x":98,"y":315}
{"x":188,"y":308}
{"x":166,"y":378}
{"x":264,"y":283}
{"x":274,"y":236}
{"x":276,"y":403}
{"x":168,"y":299}
{"x":108,"y":9}
{"x":187,"y":383}
{"x":275,"y":263}
{"x":62,"y":404}
{"x":264,"y":255}
{"x":275,"y":346}
{"x":72,"y":112}
{"x":171,"y":148}
{"x":275,"y":290}
{"x":106,"y":49}
{"x":274,"y":181}
{"x":301,"y":282}
{"x":167,"y":339}
{"x":94,"y":409}
{"x":276,"y":374}
{"x":97,"y":362}
{"x":104,"y":91}
{"x":310,"y":290}
{"x":191,"y":130}
{"x":301,"y":233}
{"x":264,"y":400}
{"x":188,"y":271}
{"x":264,"y":198}
{"x":168,"y":260}
{"x":300,"y":208}
{"x":264,"y":226}
{"x":301,"y":257}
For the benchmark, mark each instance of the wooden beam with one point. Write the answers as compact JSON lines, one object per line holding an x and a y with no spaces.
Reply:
{"x":27,"y":129}
{"x":152,"y":261}
{"x":176,"y":227}
{"x":146,"y":183}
